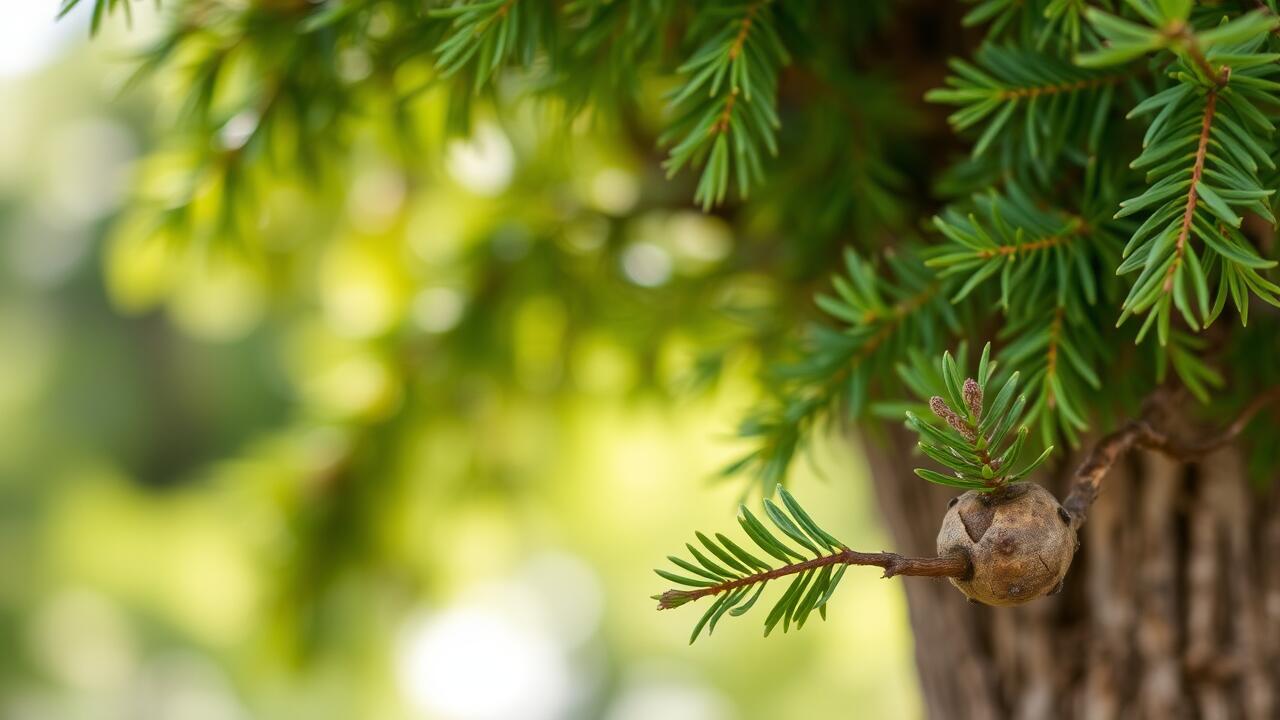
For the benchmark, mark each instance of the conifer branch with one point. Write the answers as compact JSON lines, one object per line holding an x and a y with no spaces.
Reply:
{"x":1009,"y":237}
{"x":736,"y":578}
{"x":1029,"y":92}
{"x":893,"y":565}
{"x":1181,"y":33}
{"x":975,"y":446}
{"x":1054,"y":99}
{"x":1057,"y":346}
{"x":1219,"y":86}
{"x":726,"y":110}
{"x":1144,"y":432}
{"x":1051,"y":355}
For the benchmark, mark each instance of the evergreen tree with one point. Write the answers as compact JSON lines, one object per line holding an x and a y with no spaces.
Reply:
{"x":1099,"y":219}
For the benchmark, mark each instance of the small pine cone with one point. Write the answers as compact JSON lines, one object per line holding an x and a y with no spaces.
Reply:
{"x":973,"y":397}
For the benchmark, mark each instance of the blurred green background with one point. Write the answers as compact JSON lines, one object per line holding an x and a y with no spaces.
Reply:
{"x":408,"y":451}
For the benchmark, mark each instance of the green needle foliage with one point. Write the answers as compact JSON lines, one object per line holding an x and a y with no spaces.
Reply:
{"x":1201,"y":155}
{"x":1042,"y":233}
{"x":979,"y":442}
{"x":1038,"y":99}
{"x":726,"y":108}
{"x":1009,"y":237}
{"x":736,"y":578}
{"x":1056,"y":25}
{"x":491,"y":34}
{"x":1104,"y":160}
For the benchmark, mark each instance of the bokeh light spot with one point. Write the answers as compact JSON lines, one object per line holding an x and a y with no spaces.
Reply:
{"x":485,"y":163}
{"x":646,"y":264}
{"x":439,"y":309}
{"x":615,"y":191}
{"x":477,"y":664}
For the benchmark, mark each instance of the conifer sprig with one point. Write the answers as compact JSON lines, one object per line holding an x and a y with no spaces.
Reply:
{"x":1052,"y":267}
{"x":737,"y":577}
{"x":485,"y":35}
{"x":1044,"y":102}
{"x":973,"y":446}
{"x":976,"y":444}
{"x":1202,"y":154}
{"x":1032,"y":250}
{"x":725,"y":110}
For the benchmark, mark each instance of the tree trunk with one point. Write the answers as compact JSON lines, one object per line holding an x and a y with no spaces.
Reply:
{"x":1171,"y":608}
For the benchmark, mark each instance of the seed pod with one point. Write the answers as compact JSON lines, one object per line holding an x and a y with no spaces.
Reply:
{"x":1016,"y":540}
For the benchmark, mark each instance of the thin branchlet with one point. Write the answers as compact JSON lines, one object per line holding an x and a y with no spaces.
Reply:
{"x":1143,"y":432}
{"x":893,"y":565}
{"x":735,"y":577}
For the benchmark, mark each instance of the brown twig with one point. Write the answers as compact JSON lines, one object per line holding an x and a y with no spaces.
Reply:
{"x":892,"y":563}
{"x":1143,"y":433}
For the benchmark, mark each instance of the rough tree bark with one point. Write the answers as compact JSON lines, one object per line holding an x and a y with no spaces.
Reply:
{"x":1171,"y":608}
